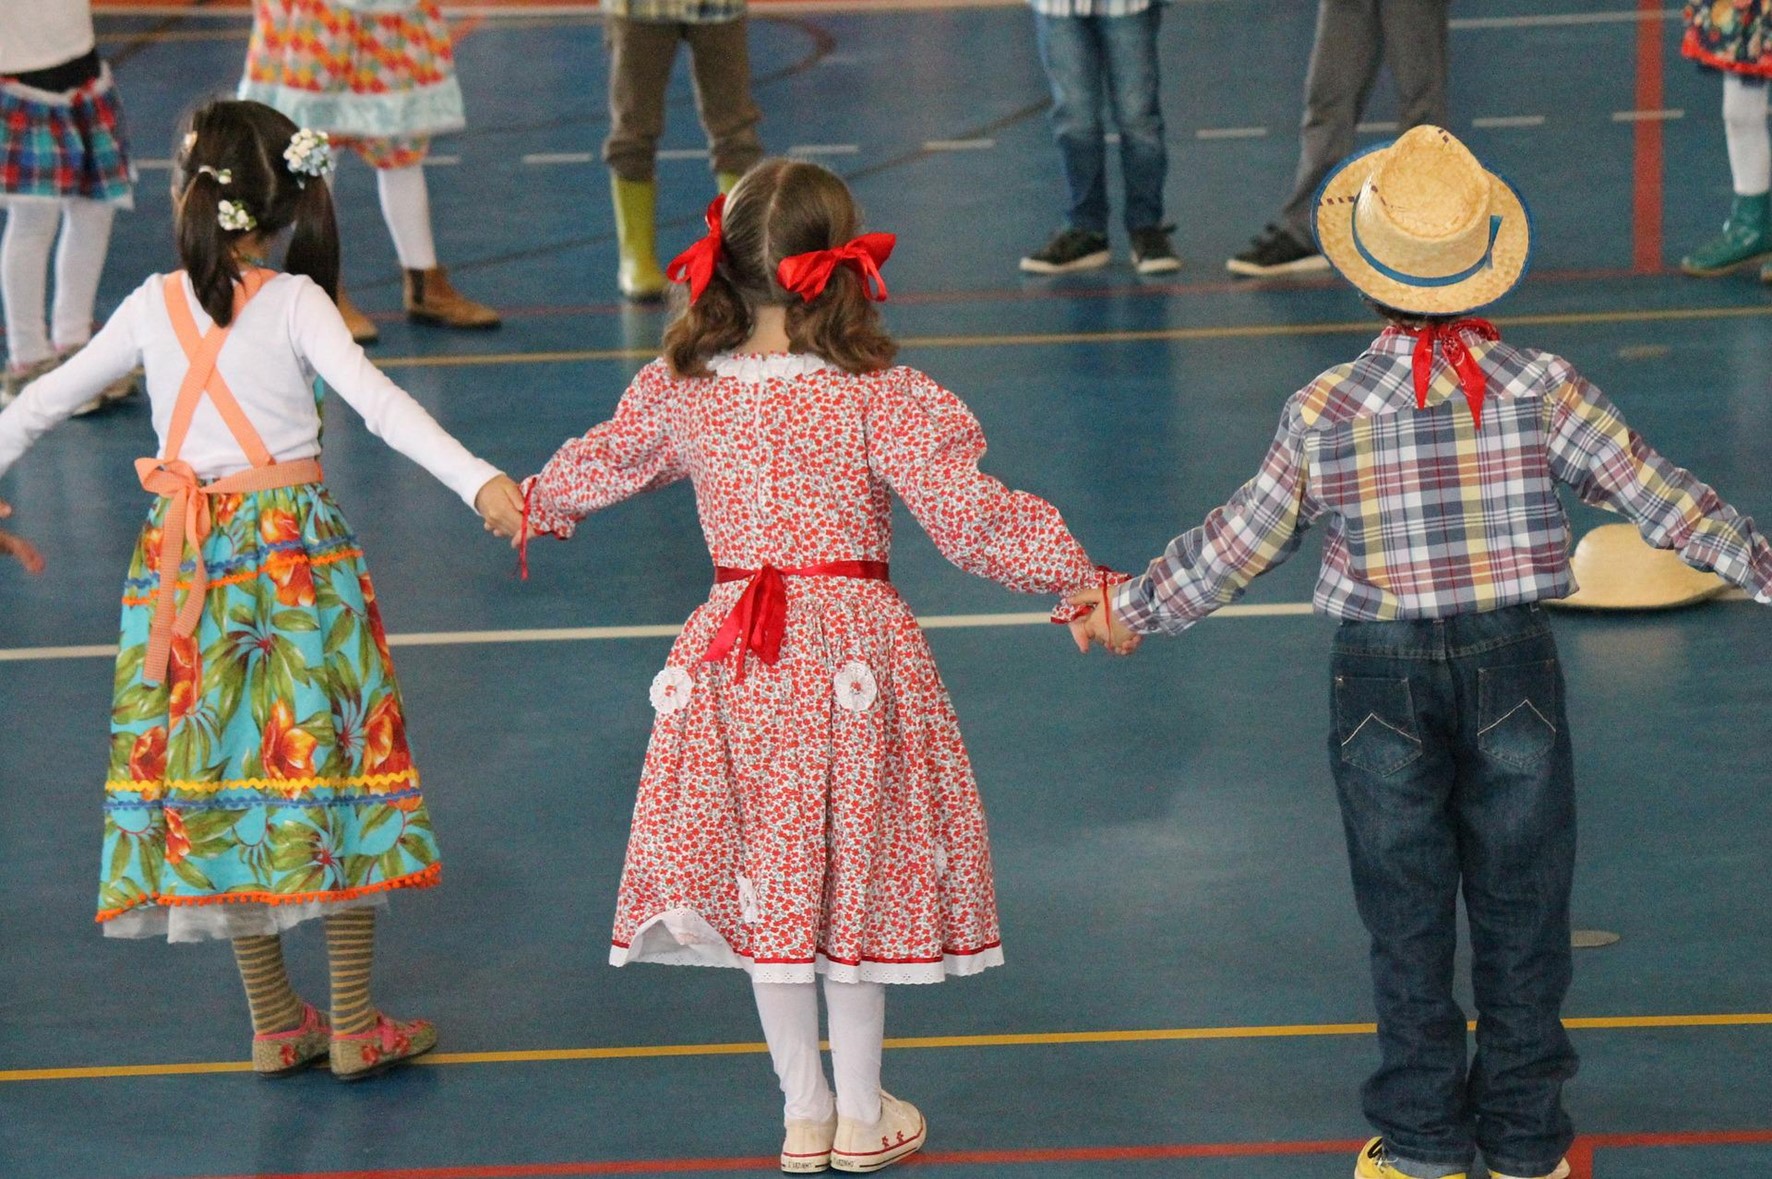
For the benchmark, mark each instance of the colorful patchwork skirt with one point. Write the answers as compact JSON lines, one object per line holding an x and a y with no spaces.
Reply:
{"x":55,"y":145}
{"x":1730,"y":35}
{"x":379,"y":81}
{"x":267,"y":779}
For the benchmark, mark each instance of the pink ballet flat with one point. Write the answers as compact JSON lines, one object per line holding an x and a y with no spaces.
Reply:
{"x":390,"y":1042}
{"x":283,"y":1054}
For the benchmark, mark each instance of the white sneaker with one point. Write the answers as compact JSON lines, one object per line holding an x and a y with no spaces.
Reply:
{"x":807,"y":1146}
{"x":899,"y":1132}
{"x":1562,"y":1172}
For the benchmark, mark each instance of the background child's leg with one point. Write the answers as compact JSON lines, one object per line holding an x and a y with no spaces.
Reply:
{"x":24,"y":278}
{"x":721,"y":63}
{"x":858,"y":1030}
{"x":275,"y":1006}
{"x":79,"y":260}
{"x":350,"y":952}
{"x":1750,"y":143}
{"x":406,"y":206}
{"x":789,"y":1012}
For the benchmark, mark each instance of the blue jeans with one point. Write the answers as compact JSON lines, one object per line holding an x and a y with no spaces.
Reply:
{"x":1095,"y":60}
{"x":1450,"y":753}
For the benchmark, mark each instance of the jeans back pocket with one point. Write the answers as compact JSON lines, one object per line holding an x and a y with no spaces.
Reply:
{"x":1517,"y":712}
{"x":1375,"y":723}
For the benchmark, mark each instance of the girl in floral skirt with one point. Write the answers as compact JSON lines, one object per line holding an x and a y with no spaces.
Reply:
{"x":1734,"y":37}
{"x":807,"y":805}
{"x":259,"y":772}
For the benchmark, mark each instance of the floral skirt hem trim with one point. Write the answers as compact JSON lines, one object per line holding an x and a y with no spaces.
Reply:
{"x":1694,"y":49}
{"x":427,"y":878}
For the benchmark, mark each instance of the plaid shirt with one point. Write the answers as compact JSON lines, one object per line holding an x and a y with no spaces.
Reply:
{"x":685,"y":12}
{"x":1426,"y":516}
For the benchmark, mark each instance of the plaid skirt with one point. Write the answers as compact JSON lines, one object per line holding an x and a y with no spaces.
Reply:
{"x":67,"y":144}
{"x":1730,"y":35}
{"x":385,"y":78}
{"x":270,"y":768}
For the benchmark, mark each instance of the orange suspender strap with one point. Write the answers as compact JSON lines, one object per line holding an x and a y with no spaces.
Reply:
{"x":170,"y":476}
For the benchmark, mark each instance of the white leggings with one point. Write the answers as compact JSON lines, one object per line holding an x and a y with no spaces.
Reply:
{"x":858,"y":1028}
{"x":406,"y":207}
{"x":1744,"y":123}
{"x":24,"y":274}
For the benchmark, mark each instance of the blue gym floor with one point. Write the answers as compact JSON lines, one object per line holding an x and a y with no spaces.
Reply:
{"x":1168,"y":849}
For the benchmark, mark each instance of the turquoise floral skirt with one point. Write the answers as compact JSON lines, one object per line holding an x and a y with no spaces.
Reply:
{"x":268,"y":778}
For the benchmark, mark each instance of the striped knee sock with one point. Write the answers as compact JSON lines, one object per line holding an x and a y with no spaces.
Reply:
{"x":350,"y":948}
{"x":275,"y":1007}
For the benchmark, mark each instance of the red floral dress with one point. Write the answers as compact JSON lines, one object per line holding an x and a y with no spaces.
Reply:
{"x":818,"y":815}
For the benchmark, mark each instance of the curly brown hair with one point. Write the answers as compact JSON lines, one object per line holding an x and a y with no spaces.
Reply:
{"x":778,"y":209}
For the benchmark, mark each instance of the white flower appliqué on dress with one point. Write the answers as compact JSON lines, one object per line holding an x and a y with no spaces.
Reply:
{"x":670,"y":690}
{"x":855,"y":685}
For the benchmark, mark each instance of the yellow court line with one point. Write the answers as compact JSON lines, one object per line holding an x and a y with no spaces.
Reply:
{"x":1139,"y":336}
{"x":1008,"y":1040}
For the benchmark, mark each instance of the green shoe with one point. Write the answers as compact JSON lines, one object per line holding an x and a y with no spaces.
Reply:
{"x":636,"y":231}
{"x":726,"y":180}
{"x":1746,"y":237}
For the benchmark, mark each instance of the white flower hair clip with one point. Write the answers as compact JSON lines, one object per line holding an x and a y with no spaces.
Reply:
{"x":233,"y":215}
{"x":309,"y":153}
{"x":222,"y":175}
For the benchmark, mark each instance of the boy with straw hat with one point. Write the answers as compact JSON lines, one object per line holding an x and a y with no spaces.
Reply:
{"x":1431,"y":461}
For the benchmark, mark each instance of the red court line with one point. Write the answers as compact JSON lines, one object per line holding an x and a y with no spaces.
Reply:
{"x":1646,"y":179}
{"x":1580,"y":1157}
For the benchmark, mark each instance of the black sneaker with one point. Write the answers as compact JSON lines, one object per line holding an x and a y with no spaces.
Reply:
{"x":1275,"y":251}
{"x":1151,"y":251}
{"x":1069,"y":249}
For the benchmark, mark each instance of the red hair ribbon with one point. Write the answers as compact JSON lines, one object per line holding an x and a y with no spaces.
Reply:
{"x":695,"y":265}
{"x":807,"y":275}
{"x":1448,"y":338}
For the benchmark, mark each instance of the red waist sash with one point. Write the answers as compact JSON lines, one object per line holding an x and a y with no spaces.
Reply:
{"x":760,"y":616}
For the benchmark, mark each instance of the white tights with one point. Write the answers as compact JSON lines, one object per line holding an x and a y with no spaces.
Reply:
{"x":858,"y":1028}
{"x":1744,"y":123}
{"x":406,"y":207}
{"x":24,"y":274}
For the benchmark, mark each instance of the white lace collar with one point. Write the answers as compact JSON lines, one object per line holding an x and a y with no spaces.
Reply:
{"x":757,"y":367}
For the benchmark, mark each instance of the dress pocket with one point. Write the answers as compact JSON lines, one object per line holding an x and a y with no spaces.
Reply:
{"x":1375,"y":723}
{"x":1516,"y":707}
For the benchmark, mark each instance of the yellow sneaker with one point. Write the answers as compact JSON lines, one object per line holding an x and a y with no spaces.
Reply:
{"x":1373,"y":1164}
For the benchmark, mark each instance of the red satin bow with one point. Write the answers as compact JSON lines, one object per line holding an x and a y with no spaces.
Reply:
{"x":695,"y":265}
{"x":1450,"y":342}
{"x":759,"y":619}
{"x":807,"y":275}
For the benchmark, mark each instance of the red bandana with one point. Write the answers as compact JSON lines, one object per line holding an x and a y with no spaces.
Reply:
{"x":695,"y":265}
{"x":807,"y":275}
{"x":1448,"y":338}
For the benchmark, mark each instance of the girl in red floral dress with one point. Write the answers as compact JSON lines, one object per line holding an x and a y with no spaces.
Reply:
{"x":807,"y":806}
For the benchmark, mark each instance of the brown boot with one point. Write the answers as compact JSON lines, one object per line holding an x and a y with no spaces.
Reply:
{"x":430,"y":299}
{"x":362,"y":330}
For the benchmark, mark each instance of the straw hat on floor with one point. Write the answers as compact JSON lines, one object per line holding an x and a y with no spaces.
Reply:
{"x":1421,"y":226}
{"x":1617,"y":570}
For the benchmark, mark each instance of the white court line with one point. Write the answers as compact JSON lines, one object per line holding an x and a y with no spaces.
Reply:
{"x":1230,"y":133}
{"x":1383,"y":128}
{"x":1510,"y":121}
{"x":683,"y":153}
{"x":825,"y":149}
{"x":1560,"y":19}
{"x":559,"y":157}
{"x":1646,"y":116}
{"x":959,"y":144}
{"x":443,"y":161}
{"x":153,"y":165}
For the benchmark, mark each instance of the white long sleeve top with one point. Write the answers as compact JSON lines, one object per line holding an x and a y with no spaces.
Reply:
{"x":37,"y":34}
{"x":289,"y":333}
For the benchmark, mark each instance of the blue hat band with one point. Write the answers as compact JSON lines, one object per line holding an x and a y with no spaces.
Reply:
{"x":1417,"y":280}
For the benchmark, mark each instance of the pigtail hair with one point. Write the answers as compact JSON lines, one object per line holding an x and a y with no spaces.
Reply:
{"x":205,"y":248}
{"x":313,"y":246}
{"x":842,"y":325}
{"x":712,"y":324}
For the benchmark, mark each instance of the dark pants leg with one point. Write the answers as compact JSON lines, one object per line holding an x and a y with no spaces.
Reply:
{"x":1451,"y":759}
{"x":640,"y":57}
{"x":1130,"y":47}
{"x":721,"y":62}
{"x":1071,"y":51}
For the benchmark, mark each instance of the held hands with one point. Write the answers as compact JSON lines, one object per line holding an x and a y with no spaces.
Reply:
{"x":500,"y":504}
{"x":18,"y":547}
{"x":1099,"y":626}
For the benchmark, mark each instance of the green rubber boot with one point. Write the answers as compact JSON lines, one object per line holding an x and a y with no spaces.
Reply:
{"x":726,"y":180}
{"x":636,"y":232}
{"x":1746,"y":237}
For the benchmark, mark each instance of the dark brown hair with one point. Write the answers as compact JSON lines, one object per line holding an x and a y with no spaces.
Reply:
{"x":778,"y":209}
{"x":245,"y":141}
{"x":1409,"y":319}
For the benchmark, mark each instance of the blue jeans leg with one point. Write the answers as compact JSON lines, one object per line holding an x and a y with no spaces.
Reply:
{"x":1130,"y":43}
{"x":1071,"y":50}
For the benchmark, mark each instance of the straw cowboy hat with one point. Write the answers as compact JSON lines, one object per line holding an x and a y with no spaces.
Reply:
{"x":1617,"y":570}
{"x":1421,"y":226}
